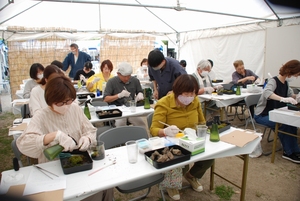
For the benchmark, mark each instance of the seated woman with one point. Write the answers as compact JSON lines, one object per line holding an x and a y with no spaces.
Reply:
{"x":180,"y":109}
{"x":96,"y":81}
{"x":83,"y":74}
{"x":36,"y":73}
{"x":277,"y":94}
{"x":62,"y":122}
{"x":37,"y":98}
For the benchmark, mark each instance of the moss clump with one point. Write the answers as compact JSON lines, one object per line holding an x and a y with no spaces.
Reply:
{"x":76,"y":160}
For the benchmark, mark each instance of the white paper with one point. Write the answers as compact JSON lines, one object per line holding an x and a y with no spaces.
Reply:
{"x":38,"y":182}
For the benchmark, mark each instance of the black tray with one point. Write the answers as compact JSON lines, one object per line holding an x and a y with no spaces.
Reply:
{"x":294,"y":107}
{"x":216,"y":81}
{"x":209,"y":124}
{"x":186,"y":155}
{"x":85,"y":95}
{"x":87,"y":164}
{"x":102,"y":114}
{"x":228,"y":92}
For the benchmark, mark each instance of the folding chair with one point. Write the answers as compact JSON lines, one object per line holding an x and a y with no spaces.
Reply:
{"x":250,"y":102}
{"x":119,"y":136}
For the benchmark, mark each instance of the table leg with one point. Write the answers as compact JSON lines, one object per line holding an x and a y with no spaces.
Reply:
{"x":244,"y":178}
{"x":274,"y":143}
{"x":212,"y":176}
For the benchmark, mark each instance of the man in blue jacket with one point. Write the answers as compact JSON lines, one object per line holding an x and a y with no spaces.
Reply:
{"x":162,"y":72}
{"x":76,"y":59}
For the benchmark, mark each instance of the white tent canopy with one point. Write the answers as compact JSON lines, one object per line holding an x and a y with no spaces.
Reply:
{"x":139,"y":16}
{"x":222,"y":30}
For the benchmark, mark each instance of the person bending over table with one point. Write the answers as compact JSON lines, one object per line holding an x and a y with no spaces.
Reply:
{"x":83,"y":74}
{"x":62,"y":122}
{"x":162,"y":72}
{"x":96,"y":81}
{"x":242,"y":75}
{"x":277,"y":94}
{"x":180,"y":109}
{"x":123,"y":88}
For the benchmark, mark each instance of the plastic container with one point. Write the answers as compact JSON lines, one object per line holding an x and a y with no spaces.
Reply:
{"x":214,"y":132}
{"x":102,"y":114}
{"x":87,"y":163}
{"x":186,"y":155}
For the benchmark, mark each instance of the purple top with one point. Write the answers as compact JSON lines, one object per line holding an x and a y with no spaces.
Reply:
{"x":236,"y":76}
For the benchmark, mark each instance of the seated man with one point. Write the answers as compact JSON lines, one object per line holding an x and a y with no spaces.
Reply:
{"x":123,"y":88}
{"x":84,"y":73}
{"x":242,"y":75}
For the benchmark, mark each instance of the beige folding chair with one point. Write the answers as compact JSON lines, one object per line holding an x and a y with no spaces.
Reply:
{"x":119,"y":136}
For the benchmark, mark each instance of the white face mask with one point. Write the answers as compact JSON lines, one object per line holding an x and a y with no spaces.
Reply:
{"x":204,"y":73}
{"x":40,"y":76}
{"x":290,"y":79}
{"x":61,"y":110}
{"x":144,"y":66}
{"x":185,"y":100}
{"x":74,"y":52}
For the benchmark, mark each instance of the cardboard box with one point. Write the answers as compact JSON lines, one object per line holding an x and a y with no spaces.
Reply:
{"x":194,"y":146}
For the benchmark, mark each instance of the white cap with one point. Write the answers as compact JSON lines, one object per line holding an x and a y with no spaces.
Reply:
{"x":125,"y":69}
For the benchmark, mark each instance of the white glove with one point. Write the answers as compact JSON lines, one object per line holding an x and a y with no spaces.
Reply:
{"x":82,"y":78}
{"x":298,"y":97}
{"x":218,"y":87}
{"x":124,"y":93}
{"x":64,"y":140}
{"x":96,"y":79}
{"x":288,"y":100}
{"x":209,"y":89}
{"x":139,"y":97}
{"x":84,"y":143}
{"x":171,"y":131}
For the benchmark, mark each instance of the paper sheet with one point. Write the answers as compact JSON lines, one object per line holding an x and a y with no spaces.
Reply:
{"x":20,"y":127}
{"x":238,"y":138}
{"x":38,"y":182}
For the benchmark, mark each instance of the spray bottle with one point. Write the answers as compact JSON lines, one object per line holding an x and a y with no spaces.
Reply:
{"x":86,"y":108}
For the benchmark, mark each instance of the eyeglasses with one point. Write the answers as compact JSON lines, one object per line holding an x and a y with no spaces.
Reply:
{"x":67,"y":102}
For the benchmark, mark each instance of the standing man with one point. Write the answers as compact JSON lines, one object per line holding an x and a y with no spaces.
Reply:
{"x":123,"y":88}
{"x":162,"y":72}
{"x":76,"y":59}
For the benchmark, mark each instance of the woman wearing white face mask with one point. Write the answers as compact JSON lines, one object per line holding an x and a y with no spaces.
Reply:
{"x":202,"y":77}
{"x":36,"y":74}
{"x":277,"y":94}
{"x":62,"y":122}
{"x":37,"y":99}
{"x":142,"y":72}
{"x":180,"y":109}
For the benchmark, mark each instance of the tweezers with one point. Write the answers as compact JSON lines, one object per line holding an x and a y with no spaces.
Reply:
{"x":42,"y":170}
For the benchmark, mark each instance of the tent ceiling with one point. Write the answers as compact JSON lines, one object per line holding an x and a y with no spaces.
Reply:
{"x":145,"y":16}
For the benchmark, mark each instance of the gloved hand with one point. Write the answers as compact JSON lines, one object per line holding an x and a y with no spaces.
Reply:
{"x":64,"y":140}
{"x":298,"y":97}
{"x":288,"y":100}
{"x":171,"y":131}
{"x":82,"y":78}
{"x":218,"y":87}
{"x":209,"y":89}
{"x":84,"y":143}
{"x":124,"y":93}
{"x":139,"y":97}
{"x":96,"y":79}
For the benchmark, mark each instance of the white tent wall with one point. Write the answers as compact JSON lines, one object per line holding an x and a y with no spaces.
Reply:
{"x":282,"y":45}
{"x":224,"y":50}
{"x":247,"y":42}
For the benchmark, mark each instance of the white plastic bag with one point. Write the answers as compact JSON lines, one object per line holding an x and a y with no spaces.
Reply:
{"x":257,"y":152}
